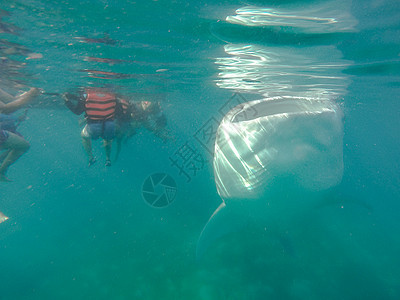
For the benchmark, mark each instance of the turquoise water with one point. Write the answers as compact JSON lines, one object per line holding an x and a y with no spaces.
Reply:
{"x":86,"y":233}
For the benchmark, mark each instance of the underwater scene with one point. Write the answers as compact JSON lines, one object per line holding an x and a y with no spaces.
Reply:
{"x":168,"y":149}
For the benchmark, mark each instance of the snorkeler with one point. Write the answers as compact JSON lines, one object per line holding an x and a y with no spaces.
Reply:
{"x":100,"y":107}
{"x":10,"y":140}
{"x":140,"y":114}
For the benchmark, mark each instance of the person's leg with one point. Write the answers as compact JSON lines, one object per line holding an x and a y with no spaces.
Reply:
{"x":107,"y":148}
{"x":3,"y":138}
{"x":118,"y":140}
{"x":120,"y":131}
{"x":15,"y":146}
{"x":3,"y":155}
{"x":108,"y":136}
{"x":87,"y":144}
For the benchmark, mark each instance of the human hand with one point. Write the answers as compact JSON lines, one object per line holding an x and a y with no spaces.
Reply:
{"x":33,"y":91}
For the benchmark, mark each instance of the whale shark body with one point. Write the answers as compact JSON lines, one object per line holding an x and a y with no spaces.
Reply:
{"x":273,"y":159}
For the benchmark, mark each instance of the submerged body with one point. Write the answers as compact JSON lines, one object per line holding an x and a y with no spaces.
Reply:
{"x":99,"y":106}
{"x":274,"y":158}
{"x":12,"y":144}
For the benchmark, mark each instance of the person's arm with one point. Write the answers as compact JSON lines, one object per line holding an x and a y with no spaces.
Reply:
{"x":123,"y":110}
{"x":20,"y":101}
{"x":119,"y":111}
{"x":77,"y":106}
{"x":6,"y":96}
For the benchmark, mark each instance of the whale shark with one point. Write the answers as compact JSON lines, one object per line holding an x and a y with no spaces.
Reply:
{"x":274,"y":158}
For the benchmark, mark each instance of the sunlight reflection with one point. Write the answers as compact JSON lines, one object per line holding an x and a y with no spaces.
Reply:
{"x":313,"y":70}
{"x":326,"y":17}
{"x":272,"y":71}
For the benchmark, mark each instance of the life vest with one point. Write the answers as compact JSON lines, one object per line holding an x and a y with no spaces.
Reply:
{"x":100,"y":106}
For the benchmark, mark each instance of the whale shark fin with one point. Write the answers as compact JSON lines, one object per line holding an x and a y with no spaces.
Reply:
{"x":223,"y":221}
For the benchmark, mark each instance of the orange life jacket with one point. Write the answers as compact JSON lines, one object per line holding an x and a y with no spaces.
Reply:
{"x":100,"y":106}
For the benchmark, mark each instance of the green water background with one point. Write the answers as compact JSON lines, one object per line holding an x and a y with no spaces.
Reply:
{"x":79,"y":233}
